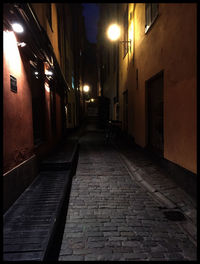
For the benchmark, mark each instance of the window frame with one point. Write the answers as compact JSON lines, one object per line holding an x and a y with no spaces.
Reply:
{"x":149,"y":21}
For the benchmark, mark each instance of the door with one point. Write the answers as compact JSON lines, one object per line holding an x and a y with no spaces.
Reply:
{"x":125,"y":111}
{"x":155,"y":113}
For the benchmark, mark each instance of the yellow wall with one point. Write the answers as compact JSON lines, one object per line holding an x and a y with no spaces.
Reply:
{"x":170,"y":45}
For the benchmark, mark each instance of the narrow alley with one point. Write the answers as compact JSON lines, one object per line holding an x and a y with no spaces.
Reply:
{"x":112,"y":217}
{"x":99,"y":131}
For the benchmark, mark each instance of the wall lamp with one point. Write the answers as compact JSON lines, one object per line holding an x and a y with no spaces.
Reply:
{"x":114,"y":33}
{"x":21,"y":44}
{"x":17,"y":28}
{"x":48,"y":73}
{"x":86,"y":88}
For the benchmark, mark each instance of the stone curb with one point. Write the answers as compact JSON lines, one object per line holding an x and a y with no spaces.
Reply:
{"x":162,"y":199}
{"x":187,"y":226}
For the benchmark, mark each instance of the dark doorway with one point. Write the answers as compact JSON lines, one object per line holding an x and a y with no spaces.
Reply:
{"x":125,"y":111}
{"x":155,"y":113}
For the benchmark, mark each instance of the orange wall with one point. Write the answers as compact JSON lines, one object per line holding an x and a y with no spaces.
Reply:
{"x":170,"y":45}
{"x":17,"y":111}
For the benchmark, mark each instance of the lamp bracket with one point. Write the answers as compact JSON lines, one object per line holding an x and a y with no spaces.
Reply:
{"x":125,"y":41}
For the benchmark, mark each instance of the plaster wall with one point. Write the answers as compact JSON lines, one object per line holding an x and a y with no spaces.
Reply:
{"x":169,"y":45}
{"x":17,"y":110}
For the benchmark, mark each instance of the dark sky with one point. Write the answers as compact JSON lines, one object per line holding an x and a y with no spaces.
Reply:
{"x":91,"y":12}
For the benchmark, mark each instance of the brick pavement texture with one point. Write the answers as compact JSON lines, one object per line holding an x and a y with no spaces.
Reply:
{"x":111,"y":217}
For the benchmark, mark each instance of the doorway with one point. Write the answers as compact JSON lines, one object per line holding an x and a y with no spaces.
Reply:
{"x":125,"y":111}
{"x":155,"y":113}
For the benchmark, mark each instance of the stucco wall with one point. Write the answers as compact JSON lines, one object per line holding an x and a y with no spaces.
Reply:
{"x":170,"y":45}
{"x":40,"y":11}
{"x":17,"y":110}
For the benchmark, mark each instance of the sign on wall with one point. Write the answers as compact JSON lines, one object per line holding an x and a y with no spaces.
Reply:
{"x":13,"y":84}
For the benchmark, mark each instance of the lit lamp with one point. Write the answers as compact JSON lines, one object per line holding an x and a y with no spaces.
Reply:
{"x":17,"y":28}
{"x":86,"y":88}
{"x":114,"y":33}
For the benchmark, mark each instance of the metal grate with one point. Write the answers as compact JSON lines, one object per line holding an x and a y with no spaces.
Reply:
{"x":174,"y":215}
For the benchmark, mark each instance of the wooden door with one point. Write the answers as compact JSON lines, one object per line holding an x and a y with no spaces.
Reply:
{"x":155,"y":113}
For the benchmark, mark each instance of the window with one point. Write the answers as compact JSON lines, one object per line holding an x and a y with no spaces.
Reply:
{"x":151,"y":13}
{"x":126,"y":32}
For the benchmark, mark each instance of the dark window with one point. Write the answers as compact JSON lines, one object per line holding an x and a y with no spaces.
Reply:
{"x":151,"y":13}
{"x":126,"y":32}
{"x":49,"y":16}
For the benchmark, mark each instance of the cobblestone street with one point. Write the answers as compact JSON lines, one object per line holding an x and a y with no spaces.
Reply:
{"x":99,"y":132}
{"x":113,"y":217}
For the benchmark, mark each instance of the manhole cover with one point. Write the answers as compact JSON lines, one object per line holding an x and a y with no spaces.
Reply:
{"x":174,"y":215}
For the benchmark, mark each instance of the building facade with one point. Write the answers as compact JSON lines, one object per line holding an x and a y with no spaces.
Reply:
{"x":39,"y":89}
{"x":155,"y":83}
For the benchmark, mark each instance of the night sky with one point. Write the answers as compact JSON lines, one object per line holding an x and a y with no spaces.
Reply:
{"x":91,"y":12}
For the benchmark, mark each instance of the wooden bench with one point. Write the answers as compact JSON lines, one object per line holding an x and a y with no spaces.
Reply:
{"x":30,"y":224}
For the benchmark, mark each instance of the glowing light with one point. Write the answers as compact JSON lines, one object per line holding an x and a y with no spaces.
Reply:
{"x":86,"y":88}
{"x":46,"y":85}
{"x":17,"y":28}
{"x":113,"y":32}
{"x":21,"y":44}
{"x":11,"y":53}
{"x":48,"y":73}
{"x":36,"y":73}
{"x":92,"y":100}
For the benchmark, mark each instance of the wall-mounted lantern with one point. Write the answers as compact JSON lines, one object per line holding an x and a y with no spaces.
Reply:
{"x":114,"y":33}
{"x":48,"y":73}
{"x":17,"y":28}
{"x":21,"y":44}
{"x":48,"y":70}
{"x":86,"y":88}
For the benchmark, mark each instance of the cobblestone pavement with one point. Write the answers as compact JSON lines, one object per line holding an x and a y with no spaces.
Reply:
{"x":111,"y":216}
